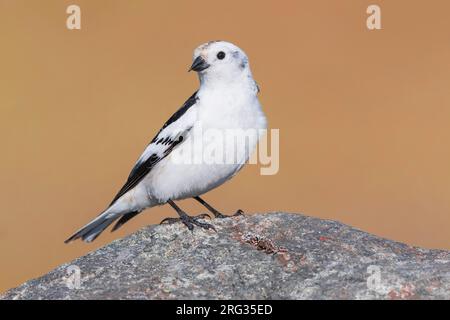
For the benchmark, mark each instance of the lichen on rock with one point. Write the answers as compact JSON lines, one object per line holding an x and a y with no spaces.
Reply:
{"x":265,"y":256}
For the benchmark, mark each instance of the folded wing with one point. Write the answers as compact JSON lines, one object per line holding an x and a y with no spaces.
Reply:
{"x":171,"y":135}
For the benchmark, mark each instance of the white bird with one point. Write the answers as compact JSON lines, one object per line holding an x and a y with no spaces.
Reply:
{"x":227,"y":99}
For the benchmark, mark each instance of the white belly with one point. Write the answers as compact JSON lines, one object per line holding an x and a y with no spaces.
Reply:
{"x":208,"y":167}
{"x":185,"y":181}
{"x":215,"y":113}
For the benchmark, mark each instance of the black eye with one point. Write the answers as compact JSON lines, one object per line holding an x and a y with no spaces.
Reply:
{"x":221,"y":55}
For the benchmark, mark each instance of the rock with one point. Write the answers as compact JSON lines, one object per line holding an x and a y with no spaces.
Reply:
{"x":268,"y":256}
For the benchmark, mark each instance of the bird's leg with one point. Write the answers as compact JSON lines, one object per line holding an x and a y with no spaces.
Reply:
{"x":187,"y":219}
{"x":216,"y":213}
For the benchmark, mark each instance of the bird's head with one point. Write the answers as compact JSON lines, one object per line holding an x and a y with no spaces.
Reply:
{"x":220,"y":61}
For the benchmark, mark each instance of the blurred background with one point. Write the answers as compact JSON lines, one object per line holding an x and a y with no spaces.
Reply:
{"x":363,"y":115}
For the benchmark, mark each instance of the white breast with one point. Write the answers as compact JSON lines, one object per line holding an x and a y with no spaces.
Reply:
{"x":217,"y":113}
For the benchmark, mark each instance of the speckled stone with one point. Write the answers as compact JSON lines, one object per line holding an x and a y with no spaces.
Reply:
{"x":266,"y":256}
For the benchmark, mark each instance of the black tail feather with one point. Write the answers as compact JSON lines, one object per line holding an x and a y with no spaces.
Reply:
{"x":93,"y":229}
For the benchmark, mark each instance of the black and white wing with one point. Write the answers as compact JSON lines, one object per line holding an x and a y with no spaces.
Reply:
{"x":171,"y":135}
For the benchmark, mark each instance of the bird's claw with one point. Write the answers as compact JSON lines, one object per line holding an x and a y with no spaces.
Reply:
{"x":202,"y":216}
{"x":239,"y":212}
{"x":189,"y":221}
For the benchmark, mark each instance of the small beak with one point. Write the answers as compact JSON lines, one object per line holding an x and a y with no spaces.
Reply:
{"x":199,"y":64}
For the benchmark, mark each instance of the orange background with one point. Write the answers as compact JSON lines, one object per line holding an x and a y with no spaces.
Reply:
{"x":363,"y":115}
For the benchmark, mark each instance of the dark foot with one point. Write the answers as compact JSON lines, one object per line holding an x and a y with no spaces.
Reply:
{"x":190,"y":221}
{"x":219,"y":215}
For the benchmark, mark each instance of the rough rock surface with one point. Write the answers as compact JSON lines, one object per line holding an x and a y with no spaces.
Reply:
{"x":269,"y":256}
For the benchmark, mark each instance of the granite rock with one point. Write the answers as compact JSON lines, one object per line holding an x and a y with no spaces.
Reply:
{"x":263,"y":256}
